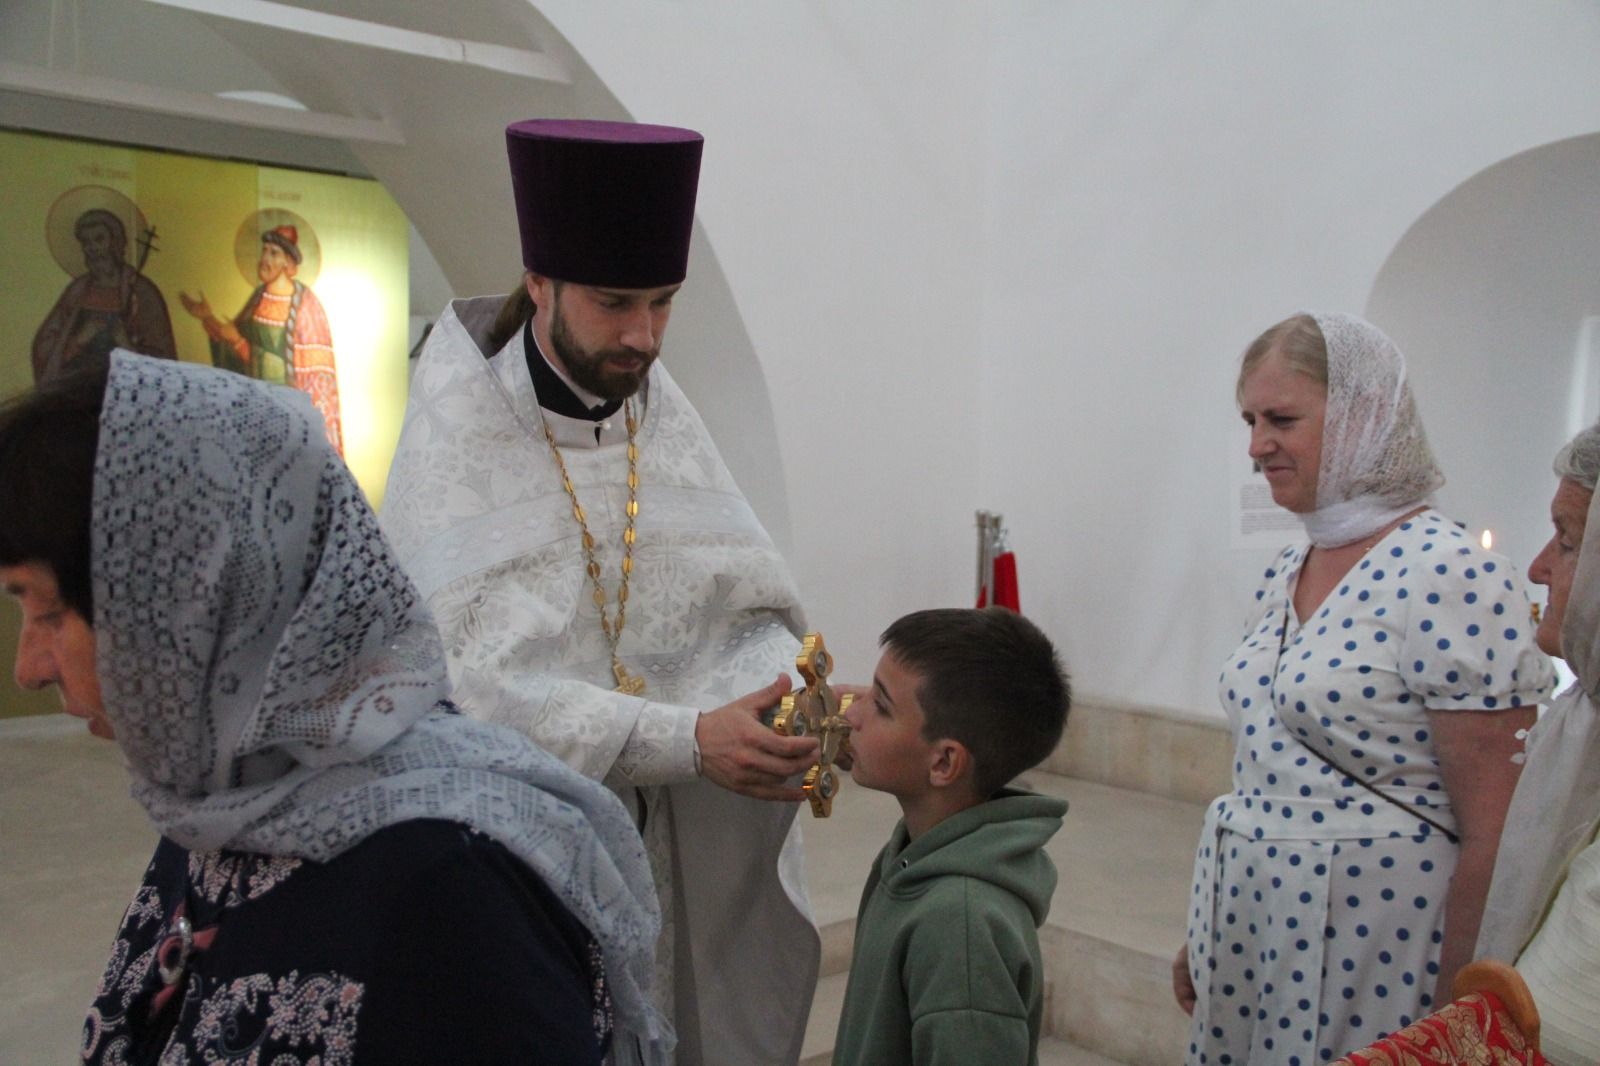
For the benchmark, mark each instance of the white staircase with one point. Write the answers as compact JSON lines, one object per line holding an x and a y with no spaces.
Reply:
{"x":1124,"y":858}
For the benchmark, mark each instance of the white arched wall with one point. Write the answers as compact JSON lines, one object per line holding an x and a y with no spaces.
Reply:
{"x":1004,"y":256}
{"x":1487,"y":294}
{"x":841,"y":187}
{"x":987,"y":255}
{"x":1159,"y":190}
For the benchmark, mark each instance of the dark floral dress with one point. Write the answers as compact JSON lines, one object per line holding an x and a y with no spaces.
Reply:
{"x":425,"y":943}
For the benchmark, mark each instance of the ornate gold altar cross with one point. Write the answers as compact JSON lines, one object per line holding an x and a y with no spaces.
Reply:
{"x":817,"y":710}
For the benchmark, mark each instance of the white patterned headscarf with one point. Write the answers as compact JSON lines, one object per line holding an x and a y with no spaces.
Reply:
{"x":1376,"y":464}
{"x":277,"y":684}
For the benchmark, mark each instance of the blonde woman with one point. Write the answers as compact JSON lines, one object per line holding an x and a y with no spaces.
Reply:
{"x":1375,"y":701}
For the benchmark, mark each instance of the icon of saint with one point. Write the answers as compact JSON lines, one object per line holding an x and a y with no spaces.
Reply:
{"x":110,"y":305}
{"x":281,"y":334}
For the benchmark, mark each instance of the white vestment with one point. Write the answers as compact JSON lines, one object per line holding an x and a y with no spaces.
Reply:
{"x":476,"y":512}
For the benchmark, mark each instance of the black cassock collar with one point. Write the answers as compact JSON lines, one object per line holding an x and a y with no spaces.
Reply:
{"x":554,"y":394}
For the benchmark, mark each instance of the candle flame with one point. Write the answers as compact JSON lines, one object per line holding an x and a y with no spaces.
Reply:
{"x":1488,"y":540}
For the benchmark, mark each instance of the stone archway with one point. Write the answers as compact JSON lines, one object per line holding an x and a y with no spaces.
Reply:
{"x":1487,"y":293}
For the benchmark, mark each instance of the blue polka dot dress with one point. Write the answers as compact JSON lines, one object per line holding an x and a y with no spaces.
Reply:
{"x":1317,"y":911}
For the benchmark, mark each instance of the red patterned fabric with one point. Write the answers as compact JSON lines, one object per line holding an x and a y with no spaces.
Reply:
{"x":314,"y":369}
{"x":1473,"y":1030}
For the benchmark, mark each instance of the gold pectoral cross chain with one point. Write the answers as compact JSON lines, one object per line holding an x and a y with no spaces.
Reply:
{"x":627,"y":683}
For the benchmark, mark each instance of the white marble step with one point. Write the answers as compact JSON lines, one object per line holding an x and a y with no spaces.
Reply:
{"x":839,"y":852}
{"x":818,"y":1048}
{"x":1181,"y":755}
{"x":1124,"y":862}
{"x":824,"y":1021}
{"x":1053,"y":1052}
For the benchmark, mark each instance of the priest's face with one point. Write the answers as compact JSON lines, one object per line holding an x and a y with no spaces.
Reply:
{"x":1556,"y":565}
{"x":605,"y":339}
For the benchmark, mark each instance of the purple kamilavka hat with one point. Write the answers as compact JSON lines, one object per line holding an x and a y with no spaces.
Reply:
{"x":604,"y":203}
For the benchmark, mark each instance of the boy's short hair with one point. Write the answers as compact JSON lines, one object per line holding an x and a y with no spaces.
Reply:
{"x":988,"y":678}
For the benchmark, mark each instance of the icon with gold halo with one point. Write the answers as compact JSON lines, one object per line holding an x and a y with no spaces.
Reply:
{"x":101,"y":239}
{"x":282,"y":333}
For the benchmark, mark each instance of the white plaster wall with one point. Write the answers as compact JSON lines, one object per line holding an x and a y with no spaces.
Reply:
{"x":1487,"y":293}
{"x":841,"y":191}
{"x":1005,"y":255}
{"x":998,"y":254}
{"x":1163,"y":182}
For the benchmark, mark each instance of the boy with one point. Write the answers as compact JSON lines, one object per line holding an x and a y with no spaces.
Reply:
{"x":946,"y":966}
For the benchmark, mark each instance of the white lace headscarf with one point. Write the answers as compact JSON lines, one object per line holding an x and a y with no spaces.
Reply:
{"x":277,"y":685}
{"x":1376,"y":464}
{"x":1557,"y":802}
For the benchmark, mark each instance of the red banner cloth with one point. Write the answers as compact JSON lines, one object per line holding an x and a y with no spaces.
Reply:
{"x":1005,"y":582}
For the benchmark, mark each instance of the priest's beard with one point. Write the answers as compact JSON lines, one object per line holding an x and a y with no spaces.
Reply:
{"x":599,"y":372}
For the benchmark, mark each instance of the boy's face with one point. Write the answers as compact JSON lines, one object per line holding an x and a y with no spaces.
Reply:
{"x":886,"y":739}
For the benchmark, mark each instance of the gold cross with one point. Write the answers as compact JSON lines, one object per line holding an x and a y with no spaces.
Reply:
{"x":817,"y":709}
{"x":626,"y":682}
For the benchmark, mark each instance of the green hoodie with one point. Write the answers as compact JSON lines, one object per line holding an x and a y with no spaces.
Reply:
{"x":946,"y":965}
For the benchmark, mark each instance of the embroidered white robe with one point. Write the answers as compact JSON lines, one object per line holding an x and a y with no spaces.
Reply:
{"x":476,"y":512}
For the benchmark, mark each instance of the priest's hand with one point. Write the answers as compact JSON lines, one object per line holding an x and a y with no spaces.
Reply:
{"x":741,"y":754}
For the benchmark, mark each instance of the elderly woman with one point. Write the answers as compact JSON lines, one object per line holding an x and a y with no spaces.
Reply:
{"x":349,"y":871}
{"x":1543,"y":911}
{"x":1375,"y":701}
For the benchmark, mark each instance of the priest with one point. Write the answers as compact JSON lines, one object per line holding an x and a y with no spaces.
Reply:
{"x":601,"y":583}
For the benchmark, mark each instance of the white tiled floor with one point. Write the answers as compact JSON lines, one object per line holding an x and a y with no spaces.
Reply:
{"x":74,"y":845}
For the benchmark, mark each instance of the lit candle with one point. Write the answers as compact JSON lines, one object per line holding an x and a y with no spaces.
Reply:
{"x":1488,"y":540}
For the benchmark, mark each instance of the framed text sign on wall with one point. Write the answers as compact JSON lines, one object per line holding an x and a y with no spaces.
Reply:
{"x":295,"y":277}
